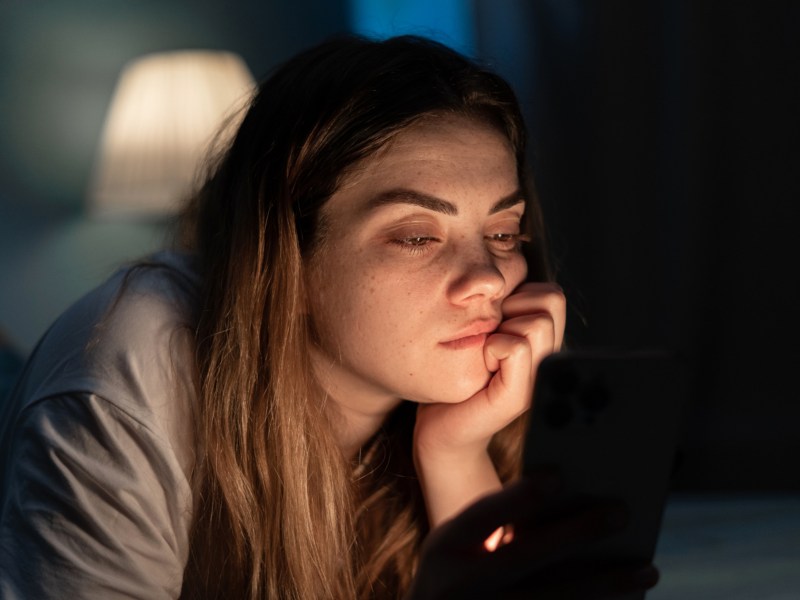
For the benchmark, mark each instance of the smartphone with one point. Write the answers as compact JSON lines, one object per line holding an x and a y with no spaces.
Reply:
{"x":609,"y":422}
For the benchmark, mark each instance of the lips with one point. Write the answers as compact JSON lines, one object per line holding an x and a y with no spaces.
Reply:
{"x":473,"y":335}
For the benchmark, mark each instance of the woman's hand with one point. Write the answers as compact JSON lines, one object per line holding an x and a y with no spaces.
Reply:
{"x":451,"y":440}
{"x":532,"y":327}
{"x":535,"y":563}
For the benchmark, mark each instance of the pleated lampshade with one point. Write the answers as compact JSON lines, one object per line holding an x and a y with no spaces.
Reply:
{"x":166,"y":111}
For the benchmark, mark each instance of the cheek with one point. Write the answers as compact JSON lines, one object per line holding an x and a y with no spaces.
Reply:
{"x":352,"y":302}
{"x":515,"y":272}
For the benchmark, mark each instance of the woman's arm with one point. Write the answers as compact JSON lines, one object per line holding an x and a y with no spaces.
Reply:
{"x":457,"y":479}
{"x":95,"y":505}
{"x":451,"y":440}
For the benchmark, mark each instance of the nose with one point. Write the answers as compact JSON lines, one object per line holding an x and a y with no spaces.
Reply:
{"x":477,"y":277}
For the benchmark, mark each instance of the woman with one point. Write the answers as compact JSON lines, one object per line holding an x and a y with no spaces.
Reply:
{"x":332,"y":370}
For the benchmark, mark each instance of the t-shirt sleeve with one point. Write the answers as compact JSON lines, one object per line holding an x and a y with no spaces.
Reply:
{"x":97,"y":505}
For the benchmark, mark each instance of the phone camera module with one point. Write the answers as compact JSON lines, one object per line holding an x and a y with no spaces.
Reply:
{"x":558,"y":414}
{"x":593,"y":399}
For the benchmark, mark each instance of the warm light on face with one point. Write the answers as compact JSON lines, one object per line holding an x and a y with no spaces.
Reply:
{"x":421,"y":248}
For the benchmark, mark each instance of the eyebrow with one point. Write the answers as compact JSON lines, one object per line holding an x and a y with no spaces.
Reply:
{"x":406,"y":196}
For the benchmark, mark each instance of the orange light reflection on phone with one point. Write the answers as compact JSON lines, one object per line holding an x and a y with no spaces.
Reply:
{"x":500,"y":537}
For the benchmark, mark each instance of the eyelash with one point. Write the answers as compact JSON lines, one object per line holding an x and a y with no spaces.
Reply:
{"x":420,"y":244}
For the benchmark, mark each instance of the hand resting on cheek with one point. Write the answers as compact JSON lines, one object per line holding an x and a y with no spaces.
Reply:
{"x":532,"y":328}
{"x":451,"y":440}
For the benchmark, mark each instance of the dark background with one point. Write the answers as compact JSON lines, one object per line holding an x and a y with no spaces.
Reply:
{"x":666,"y":148}
{"x":667,"y":153}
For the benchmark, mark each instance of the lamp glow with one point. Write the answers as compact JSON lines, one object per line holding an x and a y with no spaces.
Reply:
{"x":167,"y":110}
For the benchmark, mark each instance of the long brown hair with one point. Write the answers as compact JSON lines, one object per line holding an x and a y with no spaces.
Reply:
{"x":279,"y":512}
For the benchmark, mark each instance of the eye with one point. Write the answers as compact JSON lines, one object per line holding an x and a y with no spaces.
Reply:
{"x":418,"y":240}
{"x":415,"y":244}
{"x":507,"y":242}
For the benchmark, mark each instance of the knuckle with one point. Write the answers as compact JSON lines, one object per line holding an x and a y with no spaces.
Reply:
{"x":541,"y":324}
{"x":517,"y":347}
{"x":554,"y":298}
{"x":535,"y":296}
{"x":514,"y":342}
{"x":533,"y":327}
{"x":522,"y":348}
{"x":542,"y":340}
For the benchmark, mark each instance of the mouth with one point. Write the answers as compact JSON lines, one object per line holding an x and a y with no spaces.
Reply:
{"x":472,"y":336}
{"x":469,"y":341}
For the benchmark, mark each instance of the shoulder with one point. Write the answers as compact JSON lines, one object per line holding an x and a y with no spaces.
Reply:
{"x":137,"y":331}
{"x":129,"y":341}
{"x":98,"y":437}
{"x":94,"y":504}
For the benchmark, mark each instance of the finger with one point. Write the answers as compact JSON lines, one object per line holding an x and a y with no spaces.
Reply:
{"x":540,"y":331}
{"x":514,"y":504}
{"x":527,"y":505}
{"x":544,"y":297}
{"x":536,"y":559}
{"x":507,"y":395}
{"x":511,"y":388}
{"x":543,"y":544}
{"x":454,"y":548}
{"x":538,"y":551}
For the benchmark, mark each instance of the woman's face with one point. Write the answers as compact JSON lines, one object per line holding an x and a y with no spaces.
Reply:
{"x":420,"y":249}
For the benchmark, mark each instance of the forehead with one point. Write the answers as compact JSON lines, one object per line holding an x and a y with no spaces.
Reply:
{"x":437,"y":139}
{"x":450,"y":157}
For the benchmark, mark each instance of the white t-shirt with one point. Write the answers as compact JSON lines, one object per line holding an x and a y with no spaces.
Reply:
{"x":96,"y":445}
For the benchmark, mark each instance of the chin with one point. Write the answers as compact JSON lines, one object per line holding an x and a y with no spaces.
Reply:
{"x":460,"y":389}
